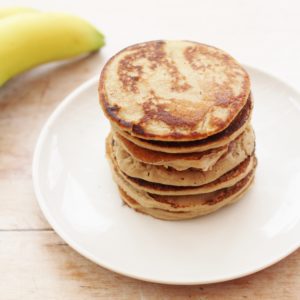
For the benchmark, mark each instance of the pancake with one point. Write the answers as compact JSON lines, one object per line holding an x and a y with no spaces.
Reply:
{"x":199,"y":203}
{"x":178,"y":215}
{"x":239,"y":150}
{"x":179,"y":161}
{"x":220,"y":139}
{"x":173,"y":90}
{"x":154,"y":212}
{"x":226,"y":180}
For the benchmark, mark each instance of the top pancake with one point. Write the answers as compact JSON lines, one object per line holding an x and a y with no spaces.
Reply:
{"x":173,"y":90}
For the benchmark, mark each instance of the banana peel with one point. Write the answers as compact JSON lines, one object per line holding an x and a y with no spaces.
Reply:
{"x":30,"y":39}
{"x":10,"y":11}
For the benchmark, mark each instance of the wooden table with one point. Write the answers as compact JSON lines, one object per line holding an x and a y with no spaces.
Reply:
{"x":35,"y":262}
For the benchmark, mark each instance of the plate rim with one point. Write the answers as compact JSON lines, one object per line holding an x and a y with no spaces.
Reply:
{"x":77,"y":247}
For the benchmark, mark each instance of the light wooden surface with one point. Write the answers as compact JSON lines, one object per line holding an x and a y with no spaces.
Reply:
{"x":35,"y":262}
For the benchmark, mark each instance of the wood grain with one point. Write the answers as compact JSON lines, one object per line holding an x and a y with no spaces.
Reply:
{"x":35,"y":262}
{"x":39,"y":265}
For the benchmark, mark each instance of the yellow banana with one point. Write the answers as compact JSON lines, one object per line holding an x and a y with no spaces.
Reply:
{"x":10,"y":11}
{"x":28,"y":40}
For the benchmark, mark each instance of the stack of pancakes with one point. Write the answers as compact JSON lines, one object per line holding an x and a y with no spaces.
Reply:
{"x":181,"y":143}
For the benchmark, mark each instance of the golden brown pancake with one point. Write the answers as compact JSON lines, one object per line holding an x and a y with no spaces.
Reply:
{"x":173,"y":90}
{"x":179,"y":161}
{"x":154,"y":212}
{"x":184,"y":206}
{"x":220,"y":139}
{"x":228,"y":179}
{"x":239,"y":150}
{"x":175,"y":215}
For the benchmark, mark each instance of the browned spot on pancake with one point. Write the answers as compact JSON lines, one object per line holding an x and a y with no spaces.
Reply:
{"x":113,"y":109}
{"x":208,"y":198}
{"x":191,"y":52}
{"x":138,"y":129}
{"x":216,"y":121}
{"x":177,"y":114}
{"x":164,"y":187}
{"x":220,"y":91}
{"x":173,"y":112}
{"x":130,"y":73}
{"x":236,"y":124}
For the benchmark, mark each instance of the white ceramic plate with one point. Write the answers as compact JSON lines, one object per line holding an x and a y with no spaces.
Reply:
{"x":75,"y":190}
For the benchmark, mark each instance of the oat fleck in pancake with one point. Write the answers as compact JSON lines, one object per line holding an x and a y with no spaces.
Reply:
{"x":173,"y":90}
